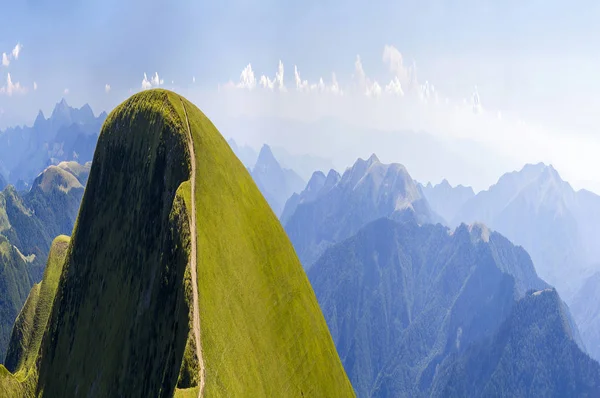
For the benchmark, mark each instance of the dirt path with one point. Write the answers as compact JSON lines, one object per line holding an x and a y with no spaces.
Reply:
{"x":196,"y":309}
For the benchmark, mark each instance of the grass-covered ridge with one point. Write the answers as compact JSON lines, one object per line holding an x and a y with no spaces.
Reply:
{"x":121,"y":319}
{"x":263,"y":333}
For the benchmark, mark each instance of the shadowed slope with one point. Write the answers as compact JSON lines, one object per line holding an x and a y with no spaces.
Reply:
{"x":121,"y":321}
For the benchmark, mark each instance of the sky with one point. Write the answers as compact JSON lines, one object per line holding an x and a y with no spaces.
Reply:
{"x":498,"y":84}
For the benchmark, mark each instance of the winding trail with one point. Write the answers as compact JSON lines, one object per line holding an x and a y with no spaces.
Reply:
{"x":193,"y":261}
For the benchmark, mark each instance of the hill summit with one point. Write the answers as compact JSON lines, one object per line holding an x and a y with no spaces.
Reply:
{"x":178,"y":279}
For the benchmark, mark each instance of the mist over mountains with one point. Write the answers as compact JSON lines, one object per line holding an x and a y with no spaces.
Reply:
{"x":69,"y":134}
{"x":421,"y":290}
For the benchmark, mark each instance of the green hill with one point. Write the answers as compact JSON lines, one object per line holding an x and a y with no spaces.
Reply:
{"x":29,"y":221}
{"x":129,"y":317}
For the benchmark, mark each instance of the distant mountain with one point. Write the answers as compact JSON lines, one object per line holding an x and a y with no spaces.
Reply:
{"x":304,"y":165}
{"x":445,"y":199}
{"x":557,"y":225}
{"x":178,"y":281}
{"x":318,"y":185}
{"x":535,"y":208}
{"x":365,"y":192}
{"x":28,"y":223}
{"x":246,"y":154}
{"x":3,"y":182}
{"x":531,"y":355}
{"x":69,"y":134}
{"x":585,"y":306}
{"x":276,"y":183}
{"x":407,"y":305}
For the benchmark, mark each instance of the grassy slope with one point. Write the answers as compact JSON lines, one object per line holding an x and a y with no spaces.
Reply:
{"x":31,"y":323}
{"x":30,"y":326}
{"x":120,"y":321}
{"x":15,"y":282}
{"x":125,"y":282}
{"x":263,"y":333}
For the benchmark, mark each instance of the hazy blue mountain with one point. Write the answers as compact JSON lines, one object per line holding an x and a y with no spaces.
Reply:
{"x":535,"y":208}
{"x":275,"y":183}
{"x":531,"y":355}
{"x":69,"y":134}
{"x":246,"y":154}
{"x":408,"y":307}
{"x":445,"y":199}
{"x":305,"y":165}
{"x":365,"y":192}
{"x":28,"y":224}
{"x":585,"y":306}
{"x":318,"y":185}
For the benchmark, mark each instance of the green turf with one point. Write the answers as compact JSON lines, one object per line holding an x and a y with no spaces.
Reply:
{"x":121,"y":320}
{"x":26,"y":337}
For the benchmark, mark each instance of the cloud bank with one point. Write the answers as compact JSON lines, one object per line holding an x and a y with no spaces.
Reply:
{"x":402,"y":101}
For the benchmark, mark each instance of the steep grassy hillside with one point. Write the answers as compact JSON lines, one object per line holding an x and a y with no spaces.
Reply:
{"x":123,"y":321}
{"x":28,"y":223}
{"x":26,"y":337}
{"x":15,"y":282}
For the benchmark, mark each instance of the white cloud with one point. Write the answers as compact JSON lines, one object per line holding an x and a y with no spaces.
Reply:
{"x":11,"y":88}
{"x":394,"y":87}
{"x":66,"y":91}
{"x":278,"y":82}
{"x":146,"y":84}
{"x":107,"y":88}
{"x":16,"y":51}
{"x":5,"y":59}
{"x":156,"y":81}
{"x":247,"y":79}
{"x":395,"y":62}
{"x":35,"y":86}
{"x":477,"y":108}
{"x":301,"y":85}
{"x":193,"y":79}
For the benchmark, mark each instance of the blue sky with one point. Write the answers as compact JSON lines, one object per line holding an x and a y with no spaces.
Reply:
{"x":534,"y":60}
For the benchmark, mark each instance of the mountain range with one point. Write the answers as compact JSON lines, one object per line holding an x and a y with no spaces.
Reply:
{"x":276,"y":183}
{"x":178,"y":279}
{"x":535,"y":208}
{"x":69,"y":134}
{"x":446,"y":199}
{"x":426,"y":311}
{"x":29,"y":222}
{"x":332,"y":209}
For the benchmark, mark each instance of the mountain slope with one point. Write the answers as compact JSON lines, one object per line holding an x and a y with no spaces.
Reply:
{"x":122,"y":321}
{"x":27,"y":333}
{"x":365,"y":192}
{"x":15,"y":282}
{"x":445,"y":199}
{"x":246,"y":154}
{"x":531,"y":355}
{"x":535,"y":208}
{"x":68,"y":134}
{"x":403,"y":300}
{"x":276,"y":183}
{"x":558,"y":226}
{"x":28,"y":224}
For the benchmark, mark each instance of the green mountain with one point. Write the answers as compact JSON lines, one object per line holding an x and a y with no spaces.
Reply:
{"x":178,"y":278}
{"x":406,"y":303}
{"x":28,"y":223}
